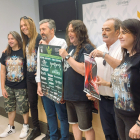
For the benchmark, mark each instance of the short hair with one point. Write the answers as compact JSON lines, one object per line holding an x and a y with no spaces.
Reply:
{"x":51,"y":23}
{"x":117,"y":23}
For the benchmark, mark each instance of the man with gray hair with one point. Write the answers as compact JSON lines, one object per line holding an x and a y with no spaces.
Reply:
{"x":47,"y":31}
{"x":108,"y":56}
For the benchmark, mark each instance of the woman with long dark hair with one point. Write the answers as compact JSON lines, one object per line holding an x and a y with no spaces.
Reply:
{"x":125,"y":82}
{"x":13,"y":83}
{"x":78,"y":106}
{"x":30,"y":46}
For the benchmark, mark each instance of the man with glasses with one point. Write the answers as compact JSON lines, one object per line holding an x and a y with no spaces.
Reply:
{"x":108,"y":57}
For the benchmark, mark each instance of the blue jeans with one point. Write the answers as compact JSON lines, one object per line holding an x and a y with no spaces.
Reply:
{"x":51,"y":108}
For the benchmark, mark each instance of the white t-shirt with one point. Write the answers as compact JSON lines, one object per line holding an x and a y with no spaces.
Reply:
{"x":106,"y":71}
{"x":55,"y":42}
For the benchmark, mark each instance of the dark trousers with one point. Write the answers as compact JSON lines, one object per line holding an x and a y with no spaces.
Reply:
{"x":107,"y":116}
{"x":124,"y":124}
{"x":33,"y":101}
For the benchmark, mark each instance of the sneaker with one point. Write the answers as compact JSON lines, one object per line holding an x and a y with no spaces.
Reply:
{"x":24,"y":131}
{"x":35,"y":133}
{"x":47,"y":137}
{"x":8,"y":131}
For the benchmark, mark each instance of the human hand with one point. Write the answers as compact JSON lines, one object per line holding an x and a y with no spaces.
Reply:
{"x":96,"y":53}
{"x":101,"y":81}
{"x":39,"y":91}
{"x":4,"y":51}
{"x":4,"y":93}
{"x":63,"y":53}
{"x":134,"y":132}
{"x":42,"y":42}
{"x":62,"y":101}
{"x":90,"y":97}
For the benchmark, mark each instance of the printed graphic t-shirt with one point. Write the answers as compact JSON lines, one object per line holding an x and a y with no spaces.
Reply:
{"x":32,"y":59}
{"x":125,"y":83}
{"x":15,"y":69}
{"x":73,"y":81}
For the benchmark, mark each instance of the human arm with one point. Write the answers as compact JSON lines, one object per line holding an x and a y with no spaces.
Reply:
{"x":37,"y":78}
{"x":109,"y":59}
{"x":134,"y":132}
{"x":77,"y":66}
{"x":101,"y":81}
{"x":3,"y":76}
{"x":39,"y":89}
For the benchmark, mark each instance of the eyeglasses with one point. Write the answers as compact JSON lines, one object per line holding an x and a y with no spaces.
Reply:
{"x":26,"y":18}
{"x":104,"y":62}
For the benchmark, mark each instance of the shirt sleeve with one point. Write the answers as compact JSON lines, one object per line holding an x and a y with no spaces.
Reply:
{"x":37,"y":78}
{"x":63,"y":44}
{"x":3,"y":59}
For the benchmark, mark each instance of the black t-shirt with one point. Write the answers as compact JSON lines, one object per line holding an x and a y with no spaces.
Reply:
{"x":32,"y":59}
{"x":73,"y":81}
{"x":126,"y":85}
{"x":15,"y":69}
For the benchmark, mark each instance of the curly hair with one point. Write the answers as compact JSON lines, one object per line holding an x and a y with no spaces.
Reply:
{"x":81,"y":32}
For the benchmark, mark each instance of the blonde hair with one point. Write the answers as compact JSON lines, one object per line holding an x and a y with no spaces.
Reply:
{"x":32,"y":32}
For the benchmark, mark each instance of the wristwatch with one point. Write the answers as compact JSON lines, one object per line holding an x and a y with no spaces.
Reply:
{"x":104,"y":53}
{"x":67,"y":57}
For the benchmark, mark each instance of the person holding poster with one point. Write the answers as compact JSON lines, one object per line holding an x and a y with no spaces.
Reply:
{"x":79,"y":108}
{"x":47,"y":31}
{"x":125,"y":82}
{"x":107,"y":57}
{"x":30,"y":46}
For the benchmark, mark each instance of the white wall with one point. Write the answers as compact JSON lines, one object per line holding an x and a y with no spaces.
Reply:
{"x":10,"y":13}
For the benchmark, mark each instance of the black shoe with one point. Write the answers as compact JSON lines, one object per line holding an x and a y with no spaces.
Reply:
{"x":47,"y":137}
{"x":35,"y":133}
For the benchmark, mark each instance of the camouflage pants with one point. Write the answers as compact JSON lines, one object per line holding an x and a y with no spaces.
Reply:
{"x":16,"y":96}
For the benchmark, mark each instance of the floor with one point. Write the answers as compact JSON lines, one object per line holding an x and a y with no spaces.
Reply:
{"x":18,"y":127}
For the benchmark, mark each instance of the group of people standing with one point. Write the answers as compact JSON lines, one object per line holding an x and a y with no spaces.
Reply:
{"x":117,"y":61}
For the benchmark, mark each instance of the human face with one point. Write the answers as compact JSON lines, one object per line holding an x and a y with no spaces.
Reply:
{"x":24,"y":26}
{"x":46,"y":32}
{"x":126,"y":39}
{"x":109,"y":34}
{"x":12,"y":41}
{"x":72,"y":36}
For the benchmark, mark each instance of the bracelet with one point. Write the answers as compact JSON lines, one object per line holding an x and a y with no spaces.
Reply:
{"x":104,"y":53}
{"x":110,"y":85}
{"x":137,"y":123}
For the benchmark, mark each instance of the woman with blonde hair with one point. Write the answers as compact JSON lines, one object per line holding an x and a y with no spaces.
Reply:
{"x":30,"y":46}
{"x":13,"y":83}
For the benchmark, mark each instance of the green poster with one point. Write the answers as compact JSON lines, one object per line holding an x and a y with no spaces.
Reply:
{"x":51,"y":72}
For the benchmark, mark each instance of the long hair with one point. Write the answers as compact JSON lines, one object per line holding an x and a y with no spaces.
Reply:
{"x":17,"y":38}
{"x":32,"y":32}
{"x":80,"y":30}
{"x":132,"y":26}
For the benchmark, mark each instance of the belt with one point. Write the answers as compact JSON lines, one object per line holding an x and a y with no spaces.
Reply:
{"x":108,"y":97}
